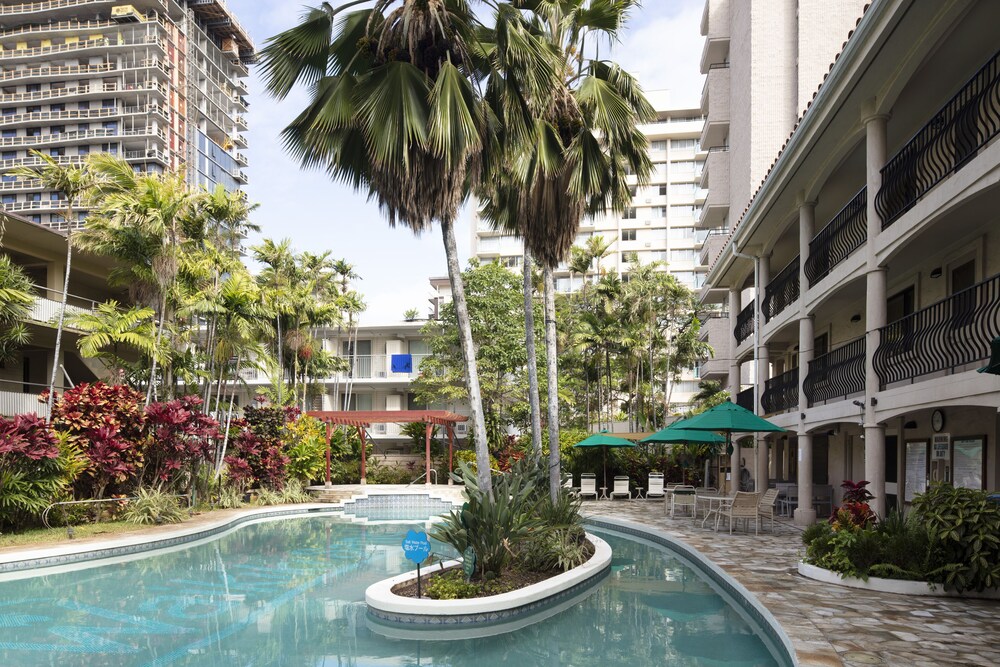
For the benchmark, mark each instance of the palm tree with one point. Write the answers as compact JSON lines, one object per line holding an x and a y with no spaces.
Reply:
{"x":73,"y":183}
{"x":529,"y":345}
{"x":108,"y":327}
{"x":394,"y":111}
{"x":16,"y":301}
{"x":574,"y":158}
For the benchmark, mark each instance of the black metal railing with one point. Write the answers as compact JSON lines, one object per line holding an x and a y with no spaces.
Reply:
{"x":782,"y":291}
{"x":953,"y":332}
{"x":781,"y":393}
{"x":744,"y":399}
{"x":847,"y":232}
{"x":836,"y":374}
{"x":744,"y":324}
{"x":966,"y":123}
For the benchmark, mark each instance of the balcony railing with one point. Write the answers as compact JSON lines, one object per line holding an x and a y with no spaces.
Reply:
{"x":744,"y":399}
{"x":847,"y":232}
{"x":744,"y":324}
{"x":781,"y":393}
{"x":18,"y":398}
{"x":836,"y":374}
{"x":782,"y":291}
{"x":954,"y":332}
{"x":944,"y":145}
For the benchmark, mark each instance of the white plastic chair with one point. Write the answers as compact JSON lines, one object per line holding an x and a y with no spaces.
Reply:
{"x":621,"y":487}
{"x":683,"y":496}
{"x":588,"y":485}
{"x":655,"y":485}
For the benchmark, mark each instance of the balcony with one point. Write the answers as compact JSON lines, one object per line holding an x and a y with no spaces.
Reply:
{"x":715,"y":29}
{"x":744,"y":399}
{"x":379,"y":367}
{"x":715,"y":331}
{"x":714,"y":242}
{"x":946,"y":336}
{"x":782,"y":291}
{"x":837,"y":374}
{"x":781,"y":393}
{"x":79,"y":49}
{"x":744,"y":324}
{"x":715,"y":105}
{"x":716,"y":179}
{"x":847,"y":232}
{"x":48,"y":73}
{"x":18,"y":398}
{"x":944,"y":145}
{"x":45,"y":309}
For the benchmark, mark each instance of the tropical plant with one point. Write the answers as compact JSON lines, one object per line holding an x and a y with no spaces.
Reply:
{"x":394,"y":110}
{"x":72,"y":182}
{"x":16,"y":300}
{"x":108,"y":327}
{"x":964,"y":529}
{"x":153,"y":506}
{"x":180,"y":438}
{"x":305,"y":446}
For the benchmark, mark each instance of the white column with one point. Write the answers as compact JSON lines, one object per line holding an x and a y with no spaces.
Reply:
{"x":763,"y":374}
{"x":875,"y":314}
{"x":734,"y":384}
{"x":805,"y":514}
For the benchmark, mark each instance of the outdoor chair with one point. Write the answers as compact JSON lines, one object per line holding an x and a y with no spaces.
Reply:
{"x":655,"y":485}
{"x":706,"y":490}
{"x":744,"y":506}
{"x":588,"y":485}
{"x":621,"y":487}
{"x":568,"y":484}
{"x":683,"y":496}
{"x":766,"y":506}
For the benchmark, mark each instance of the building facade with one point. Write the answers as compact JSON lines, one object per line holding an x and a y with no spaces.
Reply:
{"x":762,"y":62}
{"x":159,"y":83}
{"x":873,"y":245}
{"x":659,"y":226}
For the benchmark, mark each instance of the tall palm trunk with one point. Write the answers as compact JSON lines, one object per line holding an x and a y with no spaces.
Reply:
{"x":62,"y":312}
{"x":159,"y":336}
{"x":529,"y":345}
{"x":469,"y":356}
{"x":551,"y":366}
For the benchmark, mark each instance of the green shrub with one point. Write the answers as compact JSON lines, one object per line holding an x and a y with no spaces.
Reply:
{"x":495,"y":526}
{"x":268,"y":497}
{"x":450,"y":586}
{"x":153,"y":506}
{"x":294,"y":492}
{"x":230,"y":497}
{"x":387,"y":474}
{"x":468,"y":457}
{"x":964,"y":530}
{"x":305,"y":446}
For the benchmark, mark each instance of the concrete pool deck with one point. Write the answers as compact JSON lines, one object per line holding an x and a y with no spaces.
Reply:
{"x":829,"y":624}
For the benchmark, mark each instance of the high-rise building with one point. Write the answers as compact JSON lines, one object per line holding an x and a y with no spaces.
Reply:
{"x":157,"y":82}
{"x":659,"y":226}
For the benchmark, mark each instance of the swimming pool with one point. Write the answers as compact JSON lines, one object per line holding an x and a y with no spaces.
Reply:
{"x":291,"y":592}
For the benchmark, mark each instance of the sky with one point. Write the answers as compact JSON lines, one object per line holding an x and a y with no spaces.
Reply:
{"x":661,"y":47}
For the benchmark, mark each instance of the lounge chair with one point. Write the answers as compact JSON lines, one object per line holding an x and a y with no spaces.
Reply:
{"x":744,"y":507}
{"x":765,"y":508}
{"x":588,"y":485}
{"x":621,"y":487}
{"x":683,"y":496}
{"x":568,"y":484}
{"x":655,"y":485}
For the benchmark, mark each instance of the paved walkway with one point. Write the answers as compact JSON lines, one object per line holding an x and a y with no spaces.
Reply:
{"x":828,"y":624}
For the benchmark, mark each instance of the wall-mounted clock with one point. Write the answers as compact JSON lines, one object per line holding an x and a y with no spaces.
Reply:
{"x":937,"y":421}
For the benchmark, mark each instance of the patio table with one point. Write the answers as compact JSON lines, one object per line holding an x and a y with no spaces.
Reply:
{"x":638,"y":494}
{"x":715,"y":506}
{"x":604,"y":493}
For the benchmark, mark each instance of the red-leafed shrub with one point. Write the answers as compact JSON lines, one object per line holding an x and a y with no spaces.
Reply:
{"x":33,"y":471}
{"x":107,"y":423}
{"x":256,"y":456}
{"x":27,"y":436}
{"x":180,"y":437}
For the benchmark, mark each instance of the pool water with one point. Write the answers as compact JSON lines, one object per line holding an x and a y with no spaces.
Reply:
{"x":291,"y":593}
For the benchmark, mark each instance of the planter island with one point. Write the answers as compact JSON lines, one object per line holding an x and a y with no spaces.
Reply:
{"x":402,"y":617}
{"x":896,"y":586}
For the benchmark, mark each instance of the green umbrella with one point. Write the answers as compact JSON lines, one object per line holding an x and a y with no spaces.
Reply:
{"x":674,"y":435}
{"x":729,"y":418}
{"x":603,"y":440}
{"x":993,"y":368}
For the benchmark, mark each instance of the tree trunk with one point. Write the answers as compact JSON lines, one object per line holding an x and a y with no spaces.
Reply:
{"x":62,"y":316}
{"x":483,"y":474}
{"x":529,"y":344}
{"x":551,"y":366}
{"x":156,"y":348}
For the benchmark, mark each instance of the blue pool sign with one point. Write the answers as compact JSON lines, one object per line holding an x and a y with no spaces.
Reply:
{"x":416,"y":546}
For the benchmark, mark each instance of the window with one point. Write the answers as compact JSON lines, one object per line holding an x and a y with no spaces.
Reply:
{"x":83,"y":150}
{"x":33,"y":109}
{"x":682,"y":232}
{"x":659,"y":145}
{"x":83,"y":106}
{"x":629,"y":257}
{"x":510,"y":261}
{"x":628,"y":235}
{"x":683,"y":143}
{"x":9,"y":155}
{"x":683,"y":210}
{"x":633,"y":190}
{"x":685,"y":166}
{"x":33,"y":132}
{"x":628,"y":213}
{"x":83,"y":127}
{"x":36,"y":219}
{"x":57,"y":129}
{"x":108,"y":104}
{"x":7,"y":134}
{"x":33,"y":88}
{"x":663,"y":190}
{"x":57,"y":107}
{"x":9,"y":199}
{"x":7,"y":178}
{"x":683,"y":189}
{"x":9,"y":111}
{"x":682,"y":255}
{"x":110,"y":125}
{"x":35,"y":196}
{"x":659,"y":211}
{"x":57,"y":152}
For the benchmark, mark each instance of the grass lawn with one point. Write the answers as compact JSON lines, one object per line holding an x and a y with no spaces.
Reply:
{"x":44,"y":536}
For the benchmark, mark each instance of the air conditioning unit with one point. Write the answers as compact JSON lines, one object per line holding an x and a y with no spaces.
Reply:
{"x":648,"y":244}
{"x":646,"y":222}
{"x":649,"y":201}
{"x":461,"y":429}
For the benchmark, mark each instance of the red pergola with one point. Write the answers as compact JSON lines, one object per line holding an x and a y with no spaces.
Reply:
{"x":361,"y":419}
